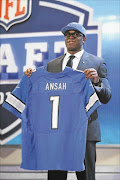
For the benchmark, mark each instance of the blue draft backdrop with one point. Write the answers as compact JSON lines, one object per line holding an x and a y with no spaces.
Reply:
{"x":31,"y":37}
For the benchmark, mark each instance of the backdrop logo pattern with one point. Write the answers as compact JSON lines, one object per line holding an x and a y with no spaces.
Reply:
{"x":34,"y":43}
{"x":13,"y":12}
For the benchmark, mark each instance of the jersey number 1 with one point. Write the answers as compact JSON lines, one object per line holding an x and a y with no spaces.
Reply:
{"x":55,"y":111}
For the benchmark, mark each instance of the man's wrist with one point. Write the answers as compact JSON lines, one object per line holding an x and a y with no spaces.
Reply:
{"x":98,"y":83}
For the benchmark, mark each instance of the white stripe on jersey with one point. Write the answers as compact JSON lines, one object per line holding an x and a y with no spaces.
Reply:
{"x":16,"y":103}
{"x":92,"y":101}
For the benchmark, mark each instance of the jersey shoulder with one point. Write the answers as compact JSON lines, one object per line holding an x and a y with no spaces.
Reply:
{"x":37,"y":74}
{"x":77,"y":75}
{"x":79,"y":80}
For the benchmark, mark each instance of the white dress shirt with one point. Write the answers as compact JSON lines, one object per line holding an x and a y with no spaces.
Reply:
{"x":76,"y":60}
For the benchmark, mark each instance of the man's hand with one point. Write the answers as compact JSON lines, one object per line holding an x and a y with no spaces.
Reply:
{"x":28,"y":72}
{"x":92,"y":74}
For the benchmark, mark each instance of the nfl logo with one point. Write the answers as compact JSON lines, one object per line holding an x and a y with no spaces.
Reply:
{"x":14,"y":11}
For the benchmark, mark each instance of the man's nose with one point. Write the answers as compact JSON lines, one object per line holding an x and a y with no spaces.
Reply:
{"x":71,"y":36}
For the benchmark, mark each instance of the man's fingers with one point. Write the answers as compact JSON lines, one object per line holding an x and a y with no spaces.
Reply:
{"x":91,"y":74}
{"x":89,"y":70}
{"x":28,"y":72}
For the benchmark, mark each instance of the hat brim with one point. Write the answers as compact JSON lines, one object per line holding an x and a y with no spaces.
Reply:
{"x":66,"y":28}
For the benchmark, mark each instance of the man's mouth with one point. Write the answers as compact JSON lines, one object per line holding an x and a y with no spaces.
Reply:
{"x":70,"y":42}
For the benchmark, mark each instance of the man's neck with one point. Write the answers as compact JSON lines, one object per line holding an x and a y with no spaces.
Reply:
{"x":79,"y":52}
{"x":74,"y":52}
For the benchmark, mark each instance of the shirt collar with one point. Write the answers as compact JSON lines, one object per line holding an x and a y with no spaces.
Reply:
{"x":78,"y":55}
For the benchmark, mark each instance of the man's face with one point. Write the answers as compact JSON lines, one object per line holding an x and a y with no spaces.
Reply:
{"x":74,"y":41}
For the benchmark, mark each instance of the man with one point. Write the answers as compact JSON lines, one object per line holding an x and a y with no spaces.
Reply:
{"x":95,"y":69}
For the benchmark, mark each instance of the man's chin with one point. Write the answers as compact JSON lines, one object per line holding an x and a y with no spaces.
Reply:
{"x":71,"y":49}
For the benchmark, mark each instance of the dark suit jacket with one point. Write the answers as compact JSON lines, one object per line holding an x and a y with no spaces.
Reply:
{"x":89,"y":61}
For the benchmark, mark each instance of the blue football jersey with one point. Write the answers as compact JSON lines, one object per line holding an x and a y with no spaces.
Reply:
{"x":55,"y":109}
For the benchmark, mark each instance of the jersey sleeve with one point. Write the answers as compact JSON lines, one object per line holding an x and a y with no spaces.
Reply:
{"x":16,"y":100}
{"x":91,"y":99}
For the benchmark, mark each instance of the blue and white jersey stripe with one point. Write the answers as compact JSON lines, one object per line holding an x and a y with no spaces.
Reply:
{"x":15,"y":102}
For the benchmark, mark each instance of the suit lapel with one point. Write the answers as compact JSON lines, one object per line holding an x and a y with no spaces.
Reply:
{"x":84,"y":61}
{"x":60,"y":62}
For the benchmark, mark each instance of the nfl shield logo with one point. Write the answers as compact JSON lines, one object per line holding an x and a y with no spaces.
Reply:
{"x":14,"y":11}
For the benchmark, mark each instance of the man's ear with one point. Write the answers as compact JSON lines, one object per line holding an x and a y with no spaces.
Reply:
{"x":84,"y":39}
